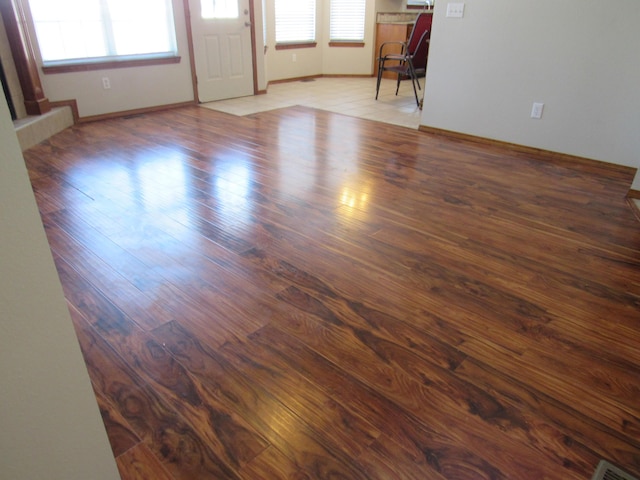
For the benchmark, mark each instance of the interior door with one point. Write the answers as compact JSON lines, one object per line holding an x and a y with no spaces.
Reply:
{"x":221,"y":31}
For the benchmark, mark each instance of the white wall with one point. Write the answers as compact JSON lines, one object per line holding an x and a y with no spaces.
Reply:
{"x":131,"y":88}
{"x":279,"y":63}
{"x":349,"y":60}
{"x":578,"y":57}
{"x":50,"y":426}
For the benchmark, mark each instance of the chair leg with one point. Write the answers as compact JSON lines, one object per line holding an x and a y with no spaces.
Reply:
{"x":380,"y":70}
{"x":414,"y":79}
{"x":398,"y":85}
{"x":415,"y":92}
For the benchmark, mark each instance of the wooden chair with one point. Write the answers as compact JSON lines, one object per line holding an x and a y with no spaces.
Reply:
{"x":411,"y":62}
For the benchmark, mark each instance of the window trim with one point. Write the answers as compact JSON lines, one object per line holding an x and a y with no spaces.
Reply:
{"x":85,"y":65}
{"x":346,"y":43}
{"x":291,"y":46}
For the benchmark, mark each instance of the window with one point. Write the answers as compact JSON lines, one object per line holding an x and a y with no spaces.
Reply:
{"x":72,"y":31}
{"x":295,"y":21}
{"x":219,"y":8}
{"x":347,"y":20}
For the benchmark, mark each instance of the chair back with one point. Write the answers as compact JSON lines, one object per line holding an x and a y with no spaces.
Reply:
{"x":419,"y":58}
{"x":422,"y":25}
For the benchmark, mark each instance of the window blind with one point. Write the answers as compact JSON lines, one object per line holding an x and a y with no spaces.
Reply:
{"x":346,"y":21}
{"x":295,"y":21}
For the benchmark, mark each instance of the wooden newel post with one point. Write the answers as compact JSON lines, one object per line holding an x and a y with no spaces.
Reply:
{"x":35,"y":102}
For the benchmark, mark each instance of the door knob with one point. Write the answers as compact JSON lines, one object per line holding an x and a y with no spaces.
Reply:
{"x":247,"y":24}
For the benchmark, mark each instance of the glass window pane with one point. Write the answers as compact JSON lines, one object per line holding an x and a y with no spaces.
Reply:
{"x":77,"y":29}
{"x":219,"y":8}
{"x":132,"y":36}
{"x":68,"y":29}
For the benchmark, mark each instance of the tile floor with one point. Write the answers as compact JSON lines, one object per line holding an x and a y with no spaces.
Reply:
{"x":349,"y":96}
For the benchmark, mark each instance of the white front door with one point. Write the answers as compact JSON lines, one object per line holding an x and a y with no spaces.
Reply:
{"x":221,"y":32}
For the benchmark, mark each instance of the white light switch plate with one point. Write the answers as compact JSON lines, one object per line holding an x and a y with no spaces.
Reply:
{"x":455,"y":10}
{"x":536,"y":110}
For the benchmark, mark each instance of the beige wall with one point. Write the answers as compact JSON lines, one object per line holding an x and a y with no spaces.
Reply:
{"x":279,"y":63}
{"x":50,"y":426}
{"x":578,"y":57}
{"x":323,"y":60}
{"x":341,"y":60}
{"x":390,"y":5}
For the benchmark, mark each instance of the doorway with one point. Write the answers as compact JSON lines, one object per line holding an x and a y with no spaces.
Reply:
{"x":223,"y":48}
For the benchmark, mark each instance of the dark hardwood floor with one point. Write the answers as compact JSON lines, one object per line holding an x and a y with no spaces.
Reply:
{"x":300,"y":294}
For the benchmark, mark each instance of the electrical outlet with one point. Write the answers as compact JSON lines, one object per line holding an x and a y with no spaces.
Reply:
{"x":106,"y":83}
{"x":294,"y":57}
{"x":455,"y":10}
{"x":536,"y":110}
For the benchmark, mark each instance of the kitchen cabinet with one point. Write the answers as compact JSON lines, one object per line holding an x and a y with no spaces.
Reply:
{"x":388,"y":32}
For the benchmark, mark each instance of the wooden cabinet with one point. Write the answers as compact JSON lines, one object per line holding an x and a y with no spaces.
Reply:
{"x":387,"y":32}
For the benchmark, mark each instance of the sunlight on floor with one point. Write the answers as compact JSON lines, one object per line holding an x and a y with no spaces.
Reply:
{"x":349,"y":96}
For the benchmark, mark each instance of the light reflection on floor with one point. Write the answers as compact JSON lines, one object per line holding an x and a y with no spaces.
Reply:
{"x":168,"y":195}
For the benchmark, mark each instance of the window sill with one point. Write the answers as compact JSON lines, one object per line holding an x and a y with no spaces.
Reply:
{"x":288,"y":46}
{"x":347,"y":44}
{"x":108,"y":64}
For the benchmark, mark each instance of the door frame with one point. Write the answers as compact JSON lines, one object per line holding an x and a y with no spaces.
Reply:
{"x":192,"y":60}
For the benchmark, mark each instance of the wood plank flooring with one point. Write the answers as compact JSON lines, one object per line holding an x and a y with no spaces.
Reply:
{"x":303,"y":295}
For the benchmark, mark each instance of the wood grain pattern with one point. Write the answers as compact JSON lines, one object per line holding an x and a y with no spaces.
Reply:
{"x":140,"y":463}
{"x":181,"y":449}
{"x":286,"y":430}
{"x":120,"y":433}
{"x":303,"y":295}
{"x":228,"y":436}
{"x":273,"y":465}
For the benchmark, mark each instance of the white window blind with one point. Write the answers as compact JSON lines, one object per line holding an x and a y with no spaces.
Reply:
{"x":295,"y":21}
{"x":347,"y":20}
{"x":73,"y":30}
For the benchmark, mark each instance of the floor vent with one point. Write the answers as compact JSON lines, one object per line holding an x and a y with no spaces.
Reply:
{"x":606,"y":471}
